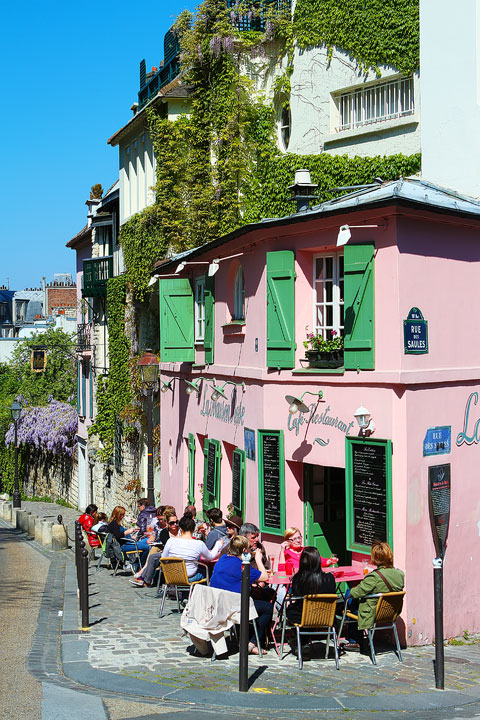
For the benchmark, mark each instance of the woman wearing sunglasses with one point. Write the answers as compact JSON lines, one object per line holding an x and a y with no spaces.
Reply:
{"x":171,"y":529}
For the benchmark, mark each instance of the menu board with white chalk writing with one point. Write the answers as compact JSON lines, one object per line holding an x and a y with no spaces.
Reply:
{"x":368,"y":492}
{"x":272,"y":481}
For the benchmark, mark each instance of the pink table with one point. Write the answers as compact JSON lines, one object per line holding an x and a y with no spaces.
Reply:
{"x":279,"y":579}
{"x":347,"y":573}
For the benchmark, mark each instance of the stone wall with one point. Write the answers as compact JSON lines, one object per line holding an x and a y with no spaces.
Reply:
{"x":53,"y":476}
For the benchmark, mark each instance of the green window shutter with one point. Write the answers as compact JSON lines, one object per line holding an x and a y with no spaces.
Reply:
{"x":176,"y":320}
{"x":191,"y":469}
{"x":238,"y":482}
{"x":211,"y":474}
{"x":209,"y":338}
{"x":281,"y":309}
{"x":359,"y":338}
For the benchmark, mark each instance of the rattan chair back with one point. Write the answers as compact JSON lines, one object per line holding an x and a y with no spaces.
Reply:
{"x":389,"y":607}
{"x":174,"y":571}
{"x":318,"y":611}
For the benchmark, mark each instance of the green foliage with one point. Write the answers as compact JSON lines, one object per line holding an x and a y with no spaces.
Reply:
{"x":113,"y":391}
{"x":96,"y":191}
{"x":142,"y":240}
{"x":18,"y":381}
{"x":373,"y":32}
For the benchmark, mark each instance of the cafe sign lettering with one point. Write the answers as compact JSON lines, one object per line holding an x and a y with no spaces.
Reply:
{"x":471,"y":428}
{"x":415,"y":333}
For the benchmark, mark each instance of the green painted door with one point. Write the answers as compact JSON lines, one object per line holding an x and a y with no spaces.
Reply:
{"x":324,"y":493}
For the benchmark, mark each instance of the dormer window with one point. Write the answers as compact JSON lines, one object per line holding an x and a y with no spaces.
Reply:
{"x":239,"y":296}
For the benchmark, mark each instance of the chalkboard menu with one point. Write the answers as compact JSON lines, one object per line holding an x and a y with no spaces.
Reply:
{"x":272,"y":481}
{"x":439,"y":488}
{"x":237,"y":481}
{"x":211,"y":469}
{"x":368,"y":492}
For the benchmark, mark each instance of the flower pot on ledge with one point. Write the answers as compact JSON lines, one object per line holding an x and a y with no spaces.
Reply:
{"x":324,"y":359}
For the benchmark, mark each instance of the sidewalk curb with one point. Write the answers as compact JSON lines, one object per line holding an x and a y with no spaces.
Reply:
{"x":75,"y":665}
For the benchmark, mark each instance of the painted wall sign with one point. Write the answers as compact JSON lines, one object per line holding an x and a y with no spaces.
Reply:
{"x":439,"y":491}
{"x":368,"y":492}
{"x":415,"y":333}
{"x":226,"y":412}
{"x":295,"y":422}
{"x":471,"y":429}
{"x":437,"y":441}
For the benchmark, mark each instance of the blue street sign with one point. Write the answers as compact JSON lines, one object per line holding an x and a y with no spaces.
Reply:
{"x":415,"y":333}
{"x":437,"y":440}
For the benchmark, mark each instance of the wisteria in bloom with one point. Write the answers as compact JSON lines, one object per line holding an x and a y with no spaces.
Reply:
{"x":216,"y":45}
{"x":51,"y":428}
{"x":227,"y":43}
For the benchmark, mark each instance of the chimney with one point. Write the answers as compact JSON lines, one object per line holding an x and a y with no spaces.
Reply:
{"x":450,"y":94}
{"x":302,"y":190}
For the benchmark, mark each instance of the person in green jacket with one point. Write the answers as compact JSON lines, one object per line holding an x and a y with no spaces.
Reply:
{"x":385,"y":578}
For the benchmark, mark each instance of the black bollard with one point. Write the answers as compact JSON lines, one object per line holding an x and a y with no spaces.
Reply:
{"x":78,"y":537}
{"x":244,"y":620}
{"x":438,"y":604}
{"x":84,"y":600}
{"x":81,"y":568}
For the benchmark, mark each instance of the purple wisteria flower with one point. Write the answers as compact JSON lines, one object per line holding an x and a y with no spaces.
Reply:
{"x":51,"y":428}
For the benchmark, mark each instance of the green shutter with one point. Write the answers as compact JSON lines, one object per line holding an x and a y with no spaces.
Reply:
{"x":209,"y":338}
{"x":359,"y":338}
{"x":238,"y":482}
{"x":281,"y":309}
{"x":191,"y":469}
{"x":176,"y":320}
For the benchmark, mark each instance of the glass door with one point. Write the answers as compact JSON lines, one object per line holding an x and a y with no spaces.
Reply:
{"x":324,"y":493}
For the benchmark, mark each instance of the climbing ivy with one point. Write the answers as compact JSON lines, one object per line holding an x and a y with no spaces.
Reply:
{"x":373,"y":32}
{"x":113,"y":391}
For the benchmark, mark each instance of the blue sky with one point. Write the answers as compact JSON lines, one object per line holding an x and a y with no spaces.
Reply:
{"x":69,"y":74}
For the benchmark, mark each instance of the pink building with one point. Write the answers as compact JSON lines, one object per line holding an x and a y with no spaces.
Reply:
{"x":403,"y":292}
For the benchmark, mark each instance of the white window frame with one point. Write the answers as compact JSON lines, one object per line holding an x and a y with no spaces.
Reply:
{"x":239,"y":295}
{"x":200,"y":309}
{"x":375,"y":103}
{"x":320,"y":296}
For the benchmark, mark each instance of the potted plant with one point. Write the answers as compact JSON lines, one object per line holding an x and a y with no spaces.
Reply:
{"x":323,"y":353}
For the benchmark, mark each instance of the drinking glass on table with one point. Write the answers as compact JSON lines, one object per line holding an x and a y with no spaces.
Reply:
{"x":272,"y":562}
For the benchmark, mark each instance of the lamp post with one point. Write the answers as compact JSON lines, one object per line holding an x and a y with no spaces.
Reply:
{"x":149,"y":370}
{"x":15,"y":410}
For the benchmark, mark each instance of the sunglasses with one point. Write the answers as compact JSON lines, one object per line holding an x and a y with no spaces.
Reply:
{"x":173,"y":522}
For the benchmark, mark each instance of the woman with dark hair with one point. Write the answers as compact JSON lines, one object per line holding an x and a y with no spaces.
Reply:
{"x":309,"y":580}
{"x":189,"y":549}
{"x":87,"y":520}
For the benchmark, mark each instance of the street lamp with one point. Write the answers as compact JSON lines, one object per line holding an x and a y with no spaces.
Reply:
{"x":149,"y":371}
{"x":15,"y":410}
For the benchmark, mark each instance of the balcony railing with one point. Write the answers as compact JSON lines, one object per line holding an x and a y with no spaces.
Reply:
{"x":96,"y":272}
{"x":255,"y":18}
{"x":83,"y":337}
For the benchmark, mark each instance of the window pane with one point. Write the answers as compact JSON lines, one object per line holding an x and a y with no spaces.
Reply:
{"x":318,"y":267}
{"x":328,"y":292}
{"x":329,"y":267}
{"x":329,"y":323}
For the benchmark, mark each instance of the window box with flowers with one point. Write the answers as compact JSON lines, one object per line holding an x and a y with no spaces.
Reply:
{"x":323,"y":353}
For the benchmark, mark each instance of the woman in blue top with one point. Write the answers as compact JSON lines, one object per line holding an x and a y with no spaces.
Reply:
{"x":227,"y":575}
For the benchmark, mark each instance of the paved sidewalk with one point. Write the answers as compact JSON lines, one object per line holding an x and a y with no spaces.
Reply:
{"x":129,"y":648}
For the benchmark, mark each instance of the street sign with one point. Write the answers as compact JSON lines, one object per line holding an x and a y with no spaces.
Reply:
{"x":439,"y":487}
{"x":437,"y":441}
{"x":415,"y":333}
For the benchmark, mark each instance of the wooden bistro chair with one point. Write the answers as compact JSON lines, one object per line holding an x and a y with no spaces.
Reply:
{"x":318,"y":618}
{"x":389,"y":607}
{"x":175,"y":576}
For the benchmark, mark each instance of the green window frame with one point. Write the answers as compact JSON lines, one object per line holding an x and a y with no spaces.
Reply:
{"x":281,"y":344}
{"x":350,"y":443}
{"x":238,"y":465}
{"x":176,"y":320}
{"x":209,"y":338}
{"x":278,"y":495}
{"x":212,"y":452}
{"x":359,"y":305}
{"x":191,"y":468}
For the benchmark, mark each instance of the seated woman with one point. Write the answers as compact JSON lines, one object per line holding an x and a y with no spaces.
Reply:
{"x":227,"y":575}
{"x":309,"y":580}
{"x":121,"y":534}
{"x":87,"y":520}
{"x":292,"y":548}
{"x":146,"y":573}
{"x":189,"y":549}
{"x":385,"y":578}
{"x":101,"y":524}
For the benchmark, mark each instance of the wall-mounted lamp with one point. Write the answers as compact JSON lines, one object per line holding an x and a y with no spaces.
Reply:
{"x":214,"y":265}
{"x":365,"y":422}
{"x":296,"y":403}
{"x":167,"y":385}
{"x":220,"y":391}
{"x":344,"y":233}
{"x":193,"y":386}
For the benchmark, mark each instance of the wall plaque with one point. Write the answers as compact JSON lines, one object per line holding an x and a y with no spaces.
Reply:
{"x":439,"y":487}
{"x":415,"y":333}
{"x":438,"y":441}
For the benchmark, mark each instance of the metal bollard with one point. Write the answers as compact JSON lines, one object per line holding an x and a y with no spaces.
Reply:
{"x":244,"y":629}
{"x":78,"y":537}
{"x":438,"y":609}
{"x":84,"y":599}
